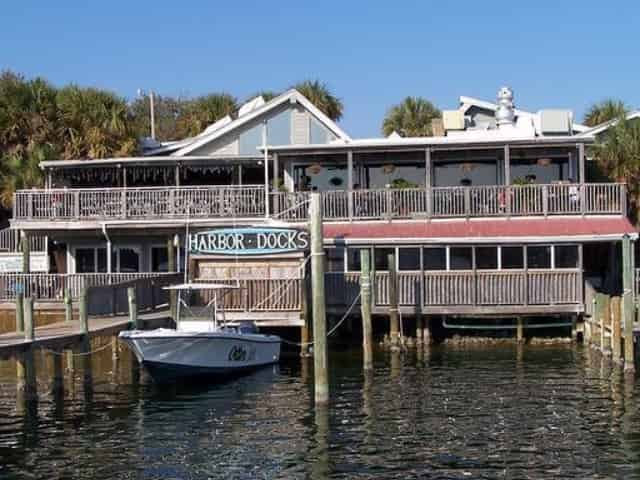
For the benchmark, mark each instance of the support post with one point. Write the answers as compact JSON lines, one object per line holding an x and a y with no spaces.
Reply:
{"x":68,"y":306}
{"x":57,"y":385}
{"x":520,"y":330}
{"x":305,"y":337}
{"x":83,"y":310}
{"x":26,"y":254}
{"x":29,"y":327}
{"x":616,"y":330}
{"x":19,"y":312}
{"x":26,"y":375}
{"x":426,"y":332}
{"x":428,"y":182}
{"x":394,"y":323}
{"x":605,"y":323}
{"x":133,"y":308}
{"x":365,"y":308}
{"x":172,"y":267}
{"x":350,"y":184}
{"x":507,"y":165}
{"x":115,"y":353}
{"x":319,"y":307}
{"x":628,"y":301}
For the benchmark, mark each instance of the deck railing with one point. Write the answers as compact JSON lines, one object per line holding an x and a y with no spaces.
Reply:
{"x":51,"y":286}
{"x":465,"y":288}
{"x":259,"y":295}
{"x":140,"y":203}
{"x":460,"y":202}
{"x":10,"y":241}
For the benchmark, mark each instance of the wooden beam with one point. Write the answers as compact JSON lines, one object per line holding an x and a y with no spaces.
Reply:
{"x":507,"y":165}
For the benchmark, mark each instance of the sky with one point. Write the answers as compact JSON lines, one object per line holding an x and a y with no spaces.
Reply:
{"x":554,"y":54}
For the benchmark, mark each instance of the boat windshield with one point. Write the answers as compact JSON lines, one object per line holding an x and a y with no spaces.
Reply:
{"x":201,"y":302}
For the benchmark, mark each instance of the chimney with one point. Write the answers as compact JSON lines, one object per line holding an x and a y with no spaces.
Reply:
{"x":505,"y":114}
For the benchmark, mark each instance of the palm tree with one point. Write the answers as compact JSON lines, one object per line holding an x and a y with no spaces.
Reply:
{"x":411,"y":118}
{"x":267,"y":95}
{"x":167,"y":110}
{"x":201,"y":112}
{"x":319,"y":94}
{"x":604,"y":111}
{"x":618,"y":154}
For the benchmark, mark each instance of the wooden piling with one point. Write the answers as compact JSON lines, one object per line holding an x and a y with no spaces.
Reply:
{"x":115,"y":352}
{"x":133,"y":308}
{"x":426,"y":331}
{"x":29,"y":326}
{"x":520,"y":330}
{"x":616,"y":329}
{"x":172,"y":267}
{"x":605,"y":325}
{"x":26,"y":253}
{"x":57,"y":385}
{"x":574,"y":328}
{"x":365,"y":309}
{"x":319,"y":306}
{"x":83,"y":310}
{"x":305,"y":330}
{"x":19,"y":312}
{"x":26,"y":374}
{"x":394,"y":323}
{"x":68,"y":306}
{"x":628,"y":304}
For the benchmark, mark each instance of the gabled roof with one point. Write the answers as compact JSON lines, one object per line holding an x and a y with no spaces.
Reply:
{"x":598,"y":129}
{"x":290,"y":96}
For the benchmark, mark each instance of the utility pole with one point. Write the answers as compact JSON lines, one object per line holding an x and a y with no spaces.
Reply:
{"x":153,"y":115}
{"x":320,"y":363}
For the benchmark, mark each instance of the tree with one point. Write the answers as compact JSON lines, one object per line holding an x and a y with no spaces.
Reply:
{"x":618,"y":154}
{"x":411,"y":118}
{"x":319,"y":94}
{"x":267,"y":95}
{"x":604,"y":111}
{"x":201,"y":112}
{"x":167,"y":110}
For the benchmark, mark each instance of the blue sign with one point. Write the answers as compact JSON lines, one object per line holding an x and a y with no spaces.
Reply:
{"x":248,"y":241}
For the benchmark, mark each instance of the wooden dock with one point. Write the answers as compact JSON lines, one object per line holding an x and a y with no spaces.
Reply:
{"x":57,"y":336}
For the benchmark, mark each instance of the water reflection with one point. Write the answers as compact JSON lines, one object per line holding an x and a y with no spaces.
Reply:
{"x":508,"y":412}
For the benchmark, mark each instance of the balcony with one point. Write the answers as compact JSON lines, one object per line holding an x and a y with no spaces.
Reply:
{"x":248,"y":202}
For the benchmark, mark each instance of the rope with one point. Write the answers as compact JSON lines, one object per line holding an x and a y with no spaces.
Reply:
{"x":337,"y":325}
{"x":296,"y":206}
{"x":81,"y":354}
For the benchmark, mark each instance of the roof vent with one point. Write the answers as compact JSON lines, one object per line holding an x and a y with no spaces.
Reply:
{"x":505,"y":114}
{"x":251,"y":105}
{"x":453,"y":120}
{"x":555,"y":122}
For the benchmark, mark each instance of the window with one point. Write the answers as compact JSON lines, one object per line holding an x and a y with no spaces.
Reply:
{"x":434,"y":258}
{"x":381,"y":258}
{"x":85,"y":260}
{"x":539,"y":256}
{"x":566,"y":256}
{"x":512,"y":258}
{"x":409,"y":259}
{"x":160,"y":259}
{"x":335,"y":259}
{"x":101,"y":258}
{"x":487,"y":258}
{"x":461,"y":258}
{"x":128,"y":260}
{"x":353,"y":260}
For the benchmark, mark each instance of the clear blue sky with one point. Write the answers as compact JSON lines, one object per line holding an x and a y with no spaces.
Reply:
{"x":563,"y":54}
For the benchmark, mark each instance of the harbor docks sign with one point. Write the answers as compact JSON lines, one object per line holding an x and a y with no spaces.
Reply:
{"x":248,"y":241}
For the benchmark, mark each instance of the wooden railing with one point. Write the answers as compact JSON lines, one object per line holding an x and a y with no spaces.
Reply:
{"x":259,"y":295}
{"x":51,"y":286}
{"x":465,"y":288}
{"x":461,"y":202}
{"x":140,"y":203}
{"x":10,"y":241}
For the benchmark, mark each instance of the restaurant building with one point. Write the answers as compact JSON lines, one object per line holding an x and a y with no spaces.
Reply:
{"x":499,"y":215}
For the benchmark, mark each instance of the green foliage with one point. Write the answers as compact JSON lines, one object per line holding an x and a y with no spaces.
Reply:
{"x":319,"y":94}
{"x":604,"y":111}
{"x":201,"y":112}
{"x":411,"y":118}
{"x":167,"y":110}
{"x":402,"y":183}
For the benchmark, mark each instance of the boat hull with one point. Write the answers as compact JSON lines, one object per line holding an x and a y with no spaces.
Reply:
{"x":170,"y":354}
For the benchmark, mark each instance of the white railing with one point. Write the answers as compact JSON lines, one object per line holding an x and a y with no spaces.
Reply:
{"x":51,"y":286}
{"x":10,"y":241}
{"x":140,"y":203}
{"x":460,"y":202}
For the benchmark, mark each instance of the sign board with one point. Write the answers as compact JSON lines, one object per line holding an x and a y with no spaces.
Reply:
{"x":248,"y":241}
{"x":12,"y":262}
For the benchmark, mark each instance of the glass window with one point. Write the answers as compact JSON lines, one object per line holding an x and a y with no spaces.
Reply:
{"x":566,"y":256}
{"x":512,"y":258}
{"x":85,"y":260}
{"x":353,"y":259}
{"x":381,"y":258}
{"x":487,"y":258}
{"x":129,"y":260}
{"x":461,"y":258}
{"x":434,"y":258}
{"x":539,"y":256}
{"x":409,"y":259}
{"x":159,"y":259}
{"x":102,"y":260}
{"x":335,"y":259}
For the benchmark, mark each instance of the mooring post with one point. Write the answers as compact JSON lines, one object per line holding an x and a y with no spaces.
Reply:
{"x":394,"y":323}
{"x":628,"y":304}
{"x":57,"y":386}
{"x":171,"y":267}
{"x":574,"y":328}
{"x":365,"y":308}
{"x":605,"y":324}
{"x":320,"y":361}
{"x":26,"y":253}
{"x":133,"y":308}
{"x":305,"y":337}
{"x":114,"y":348}
{"x":19,"y":312}
{"x":616,"y":329}
{"x":26,"y":374}
{"x":83,"y":311}
{"x":29,"y":324}
{"x":520,"y":330}
{"x":68,"y":306}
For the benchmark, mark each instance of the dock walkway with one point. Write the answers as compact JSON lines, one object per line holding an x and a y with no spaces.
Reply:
{"x":65,"y":334}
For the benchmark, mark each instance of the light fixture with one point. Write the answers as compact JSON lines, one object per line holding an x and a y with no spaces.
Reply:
{"x":314,"y":169}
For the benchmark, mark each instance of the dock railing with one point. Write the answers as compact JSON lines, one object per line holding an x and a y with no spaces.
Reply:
{"x":260,"y":295}
{"x":51,"y":286}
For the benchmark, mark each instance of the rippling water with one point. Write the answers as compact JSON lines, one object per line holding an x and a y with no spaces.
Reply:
{"x":533,"y":412}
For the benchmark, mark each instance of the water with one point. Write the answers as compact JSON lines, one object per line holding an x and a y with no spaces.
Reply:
{"x":482,"y":412}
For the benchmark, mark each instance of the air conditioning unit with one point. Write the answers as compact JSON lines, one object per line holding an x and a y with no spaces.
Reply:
{"x":453,"y":120}
{"x":556,"y":122}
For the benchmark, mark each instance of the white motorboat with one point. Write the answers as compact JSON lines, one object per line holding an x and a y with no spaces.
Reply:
{"x":202,"y":344}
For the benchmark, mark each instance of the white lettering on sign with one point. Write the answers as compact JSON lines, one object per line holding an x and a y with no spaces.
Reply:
{"x":249,"y":241}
